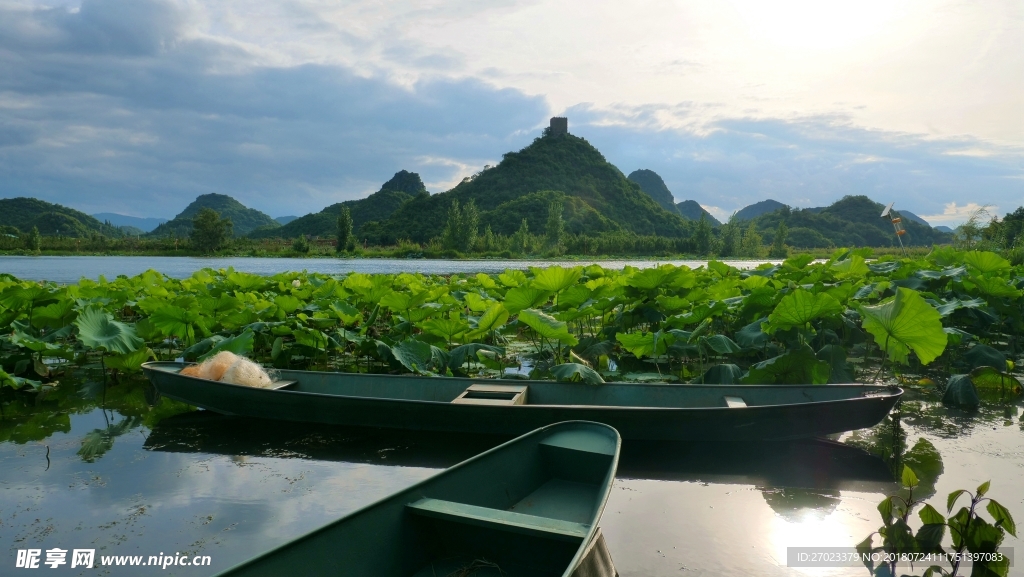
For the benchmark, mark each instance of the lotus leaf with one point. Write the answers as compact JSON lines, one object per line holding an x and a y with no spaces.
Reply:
{"x":546,"y":326}
{"x":554,"y":279}
{"x":796,"y":367}
{"x":799,"y":308}
{"x":903,"y":323}
{"x":98,"y":329}
{"x":576,"y":372}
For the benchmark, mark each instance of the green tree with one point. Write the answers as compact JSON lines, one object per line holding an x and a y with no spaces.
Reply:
{"x":730,"y":233}
{"x":521,"y":240}
{"x":209,"y":231}
{"x":779,"y":248}
{"x":301,"y":244}
{"x":461,"y":227}
{"x":554,"y":232}
{"x":344,"y":229}
{"x":752,"y":245}
{"x":489,"y":241}
{"x":703,"y":237}
{"x":33,"y":241}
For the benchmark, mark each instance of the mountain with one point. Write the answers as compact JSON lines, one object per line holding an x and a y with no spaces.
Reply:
{"x":244,"y":219}
{"x":651,"y":183}
{"x":907,"y":215}
{"x":692,"y":210}
{"x":597,"y":196}
{"x":374,"y":208}
{"x":51,"y":219}
{"x":850,"y":221}
{"x":757,"y":209}
{"x":944,"y":228}
{"x":282,"y":220}
{"x":141,"y":223}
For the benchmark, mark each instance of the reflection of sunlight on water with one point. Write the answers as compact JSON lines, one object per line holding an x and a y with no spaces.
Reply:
{"x":808,"y":519}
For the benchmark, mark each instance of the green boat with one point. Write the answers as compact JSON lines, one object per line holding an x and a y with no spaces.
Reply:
{"x":528,"y":507}
{"x":513,"y":407}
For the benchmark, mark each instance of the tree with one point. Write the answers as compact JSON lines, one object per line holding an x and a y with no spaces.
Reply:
{"x":969,"y":233}
{"x":33,"y":242}
{"x":301,"y":244}
{"x":752,"y":246}
{"x":702,"y":237}
{"x":779,"y":249}
{"x":460,"y":229}
{"x":730,"y":232}
{"x":521,"y":239}
{"x":344,"y":229}
{"x":209,"y":231}
{"x":554,"y":232}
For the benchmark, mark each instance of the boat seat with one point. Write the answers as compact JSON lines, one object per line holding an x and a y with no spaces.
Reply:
{"x":281,"y":385}
{"x":509,"y":521}
{"x":735,"y":402}
{"x":492,"y":395}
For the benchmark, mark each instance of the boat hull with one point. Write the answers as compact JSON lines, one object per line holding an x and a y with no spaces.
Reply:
{"x":808,"y":411}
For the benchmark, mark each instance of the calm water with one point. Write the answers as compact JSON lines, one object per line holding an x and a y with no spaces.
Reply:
{"x":130,"y":479}
{"x":69,"y":269}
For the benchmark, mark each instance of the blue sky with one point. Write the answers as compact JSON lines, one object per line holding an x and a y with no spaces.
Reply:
{"x":138,"y":106}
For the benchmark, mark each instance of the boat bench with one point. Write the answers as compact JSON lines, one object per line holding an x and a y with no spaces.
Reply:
{"x":735,"y":402}
{"x":492,"y":395}
{"x":509,"y":521}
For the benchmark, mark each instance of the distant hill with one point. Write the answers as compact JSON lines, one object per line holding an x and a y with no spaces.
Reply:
{"x":143,"y":224}
{"x":285,"y":219}
{"x":244,"y":219}
{"x":692,"y":210}
{"x":651,"y":183}
{"x":906,"y":214}
{"x":51,"y":219}
{"x":601,"y":197}
{"x":377,"y":207}
{"x":850,"y":221}
{"x":944,"y":228}
{"x":757,"y":209}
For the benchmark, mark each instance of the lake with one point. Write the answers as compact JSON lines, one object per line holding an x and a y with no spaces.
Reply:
{"x":69,"y":269}
{"x":88,"y":466}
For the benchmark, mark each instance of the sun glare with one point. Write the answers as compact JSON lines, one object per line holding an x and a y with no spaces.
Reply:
{"x":814,"y":24}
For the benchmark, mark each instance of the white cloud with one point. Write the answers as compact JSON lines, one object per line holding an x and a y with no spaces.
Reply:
{"x":955,"y":215}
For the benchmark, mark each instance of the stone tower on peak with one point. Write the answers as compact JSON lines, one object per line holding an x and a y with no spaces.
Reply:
{"x":559,"y":126}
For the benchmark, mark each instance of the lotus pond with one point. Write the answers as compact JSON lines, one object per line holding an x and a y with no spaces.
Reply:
{"x":92,"y":459}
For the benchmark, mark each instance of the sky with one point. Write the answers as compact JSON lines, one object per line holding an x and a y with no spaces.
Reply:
{"x":138,"y":106}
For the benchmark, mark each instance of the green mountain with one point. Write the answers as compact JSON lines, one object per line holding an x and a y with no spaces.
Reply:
{"x":850,"y":221}
{"x":692,"y":210}
{"x":651,"y":183}
{"x":51,"y":219}
{"x":377,"y":207}
{"x":244,"y":219}
{"x":121,"y":220}
{"x":285,"y":219}
{"x":757,"y":209}
{"x":597,"y":196}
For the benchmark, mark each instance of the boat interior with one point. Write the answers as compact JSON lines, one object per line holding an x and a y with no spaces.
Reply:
{"x":522,"y":509}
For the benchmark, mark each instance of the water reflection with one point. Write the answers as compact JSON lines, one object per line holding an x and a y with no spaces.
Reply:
{"x":85,"y":465}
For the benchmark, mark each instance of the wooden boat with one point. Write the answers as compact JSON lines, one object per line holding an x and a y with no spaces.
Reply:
{"x":513,"y":407}
{"x":528,"y":507}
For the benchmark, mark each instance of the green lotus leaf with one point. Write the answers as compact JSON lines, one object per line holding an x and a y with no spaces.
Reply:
{"x":460,"y":354}
{"x":448,"y":329}
{"x":576,"y":372}
{"x":835,"y":356}
{"x":985,"y":261}
{"x":512,"y":278}
{"x":414,"y":355}
{"x":992,"y":378}
{"x":7,"y":380}
{"x":311,"y":338}
{"x":546,"y":326}
{"x":995,"y":286}
{"x":174,"y":321}
{"x":903,"y":323}
{"x":726,"y":374}
{"x":645,"y":344}
{"x":97,"y":329}
{"x":555,"y":278}
{"x":985,"y":356}
{"x":520,"y":298}
{"x":130,"y":362}
{"x":960,"y":391}
{"x":54,"y":315}
{"x":796,"y":367}
{"x":722,"y":344}
{"x":492,"y":319}
{"x":799,"y":308}
{"x":751,"y":336}
{"x":240,"y":345}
